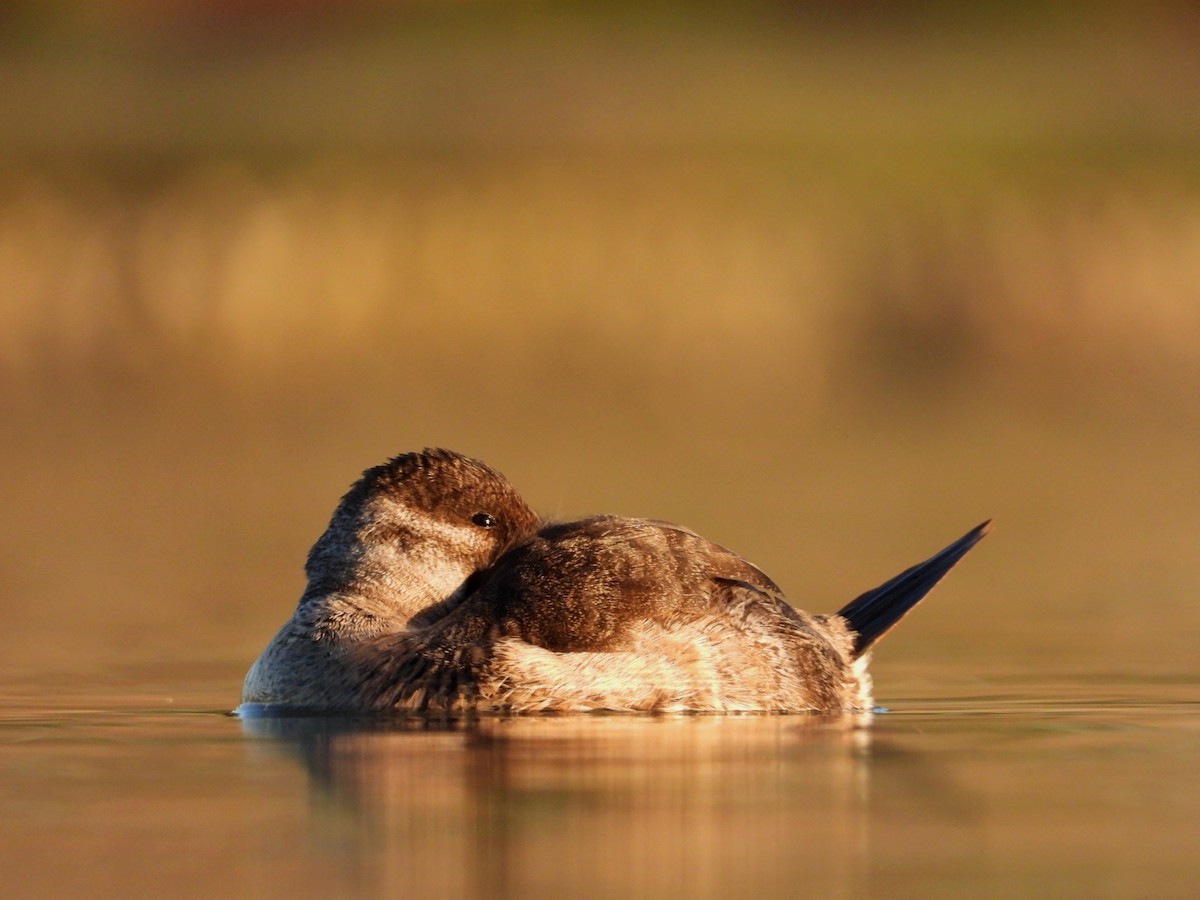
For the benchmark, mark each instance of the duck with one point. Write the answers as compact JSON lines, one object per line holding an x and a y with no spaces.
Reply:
{"x":436,"y":590}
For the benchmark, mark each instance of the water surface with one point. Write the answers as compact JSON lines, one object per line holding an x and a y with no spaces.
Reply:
{"x":1085,"y":787}
{"x":1041,"y":738}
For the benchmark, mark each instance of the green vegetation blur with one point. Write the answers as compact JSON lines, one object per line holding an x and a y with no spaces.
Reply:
{"x":830,"y":282}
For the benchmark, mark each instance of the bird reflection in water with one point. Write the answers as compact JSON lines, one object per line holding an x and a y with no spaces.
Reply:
{"x":498,"y":805}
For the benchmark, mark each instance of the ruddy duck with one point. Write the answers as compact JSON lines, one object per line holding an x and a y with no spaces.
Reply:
{"x":436,"y":589}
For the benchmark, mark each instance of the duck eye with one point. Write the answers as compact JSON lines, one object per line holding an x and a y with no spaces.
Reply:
{"x":484,"y":520}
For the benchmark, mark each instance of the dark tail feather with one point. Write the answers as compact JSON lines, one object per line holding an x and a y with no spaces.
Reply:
{"x":871,"y":615}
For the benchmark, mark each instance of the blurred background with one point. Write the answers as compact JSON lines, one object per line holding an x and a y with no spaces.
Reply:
{"x":828,"y":283}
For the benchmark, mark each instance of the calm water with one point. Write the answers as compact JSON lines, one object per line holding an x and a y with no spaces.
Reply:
{"x":1084,"y":788}
{"x":1042,"y":738}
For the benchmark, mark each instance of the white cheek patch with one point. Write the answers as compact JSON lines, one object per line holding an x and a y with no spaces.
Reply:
{"x":424,"y":526}
{"x":440,"y":558}
{"x":439,"y":575}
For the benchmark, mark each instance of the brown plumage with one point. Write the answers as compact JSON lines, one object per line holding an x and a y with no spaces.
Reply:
{"x":604,"y":613}
{"x":403,"y":542}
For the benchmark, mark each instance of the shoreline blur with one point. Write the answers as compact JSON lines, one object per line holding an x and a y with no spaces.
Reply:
{"x":705,"y":195}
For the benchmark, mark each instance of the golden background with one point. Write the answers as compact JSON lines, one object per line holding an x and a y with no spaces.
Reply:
{"x":829,"y":285}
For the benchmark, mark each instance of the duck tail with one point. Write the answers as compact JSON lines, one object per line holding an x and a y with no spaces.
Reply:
{"x":871,"y":615}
